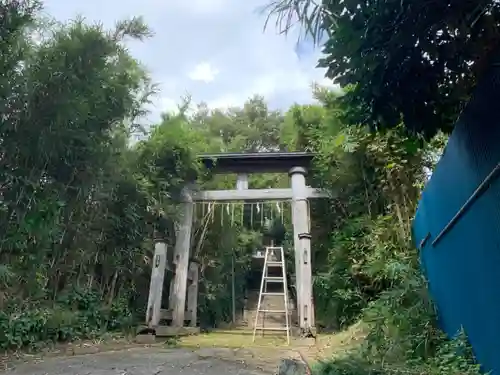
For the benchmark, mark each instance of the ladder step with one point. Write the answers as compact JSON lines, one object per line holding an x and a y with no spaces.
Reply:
{"x":279,"y":279}
{"x":274,"y":264}
{"x":272,"y":294}
{"x":274,"y":311}
{"x":272,"y":328}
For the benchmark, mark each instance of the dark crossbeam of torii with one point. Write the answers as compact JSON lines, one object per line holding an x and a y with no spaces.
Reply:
{"x":297,"y":165}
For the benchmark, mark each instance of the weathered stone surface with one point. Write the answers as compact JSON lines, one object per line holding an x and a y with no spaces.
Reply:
{"x":292,"y":367}
{"x":151,"y":361}
{"x":168,"y":331}
{"x":145,"y":339}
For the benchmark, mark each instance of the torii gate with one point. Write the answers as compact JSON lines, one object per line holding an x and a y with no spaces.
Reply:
{"x":297,"y":165}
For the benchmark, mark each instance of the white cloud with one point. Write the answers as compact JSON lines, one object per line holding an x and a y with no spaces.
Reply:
{"x":219,"y":42}
{"x":228,"y":101}
{"x":203,"y":72}
{"x":169,"y":105}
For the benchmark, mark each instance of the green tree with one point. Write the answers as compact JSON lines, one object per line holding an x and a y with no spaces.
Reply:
{"x":365,"y":265}
{"x":418,"y":70}
{"x":251,"y":128}
{"x":75,"y":213}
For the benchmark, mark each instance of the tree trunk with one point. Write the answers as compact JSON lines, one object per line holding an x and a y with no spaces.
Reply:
{"x":111,"y":294}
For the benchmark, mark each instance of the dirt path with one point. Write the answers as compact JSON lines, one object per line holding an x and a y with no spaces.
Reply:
{"x":217,"y":353}
{"x":143,"y":361}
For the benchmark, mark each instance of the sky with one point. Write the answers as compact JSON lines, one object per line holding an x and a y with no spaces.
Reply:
{"x":216,"y":51}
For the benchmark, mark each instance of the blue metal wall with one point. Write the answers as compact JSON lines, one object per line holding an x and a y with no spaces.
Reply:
{"x":463,"y":266}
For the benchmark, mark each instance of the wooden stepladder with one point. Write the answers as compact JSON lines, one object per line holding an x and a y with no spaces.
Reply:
{"x":274,"y":257}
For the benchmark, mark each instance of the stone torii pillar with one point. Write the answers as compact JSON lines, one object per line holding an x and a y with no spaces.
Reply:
{"x":181,"y":259}
{"x":302,"y":248}
{"x":192,"y":292}
{"x":153,"y":311}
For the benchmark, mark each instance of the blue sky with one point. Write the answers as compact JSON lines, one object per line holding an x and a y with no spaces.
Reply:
{"x":214,"y":50}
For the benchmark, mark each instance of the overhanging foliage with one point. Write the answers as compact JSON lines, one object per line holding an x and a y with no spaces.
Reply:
{"x":409,"y":61}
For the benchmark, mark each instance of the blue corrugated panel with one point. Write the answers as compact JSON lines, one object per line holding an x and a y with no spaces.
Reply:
{"x":463,"y":267}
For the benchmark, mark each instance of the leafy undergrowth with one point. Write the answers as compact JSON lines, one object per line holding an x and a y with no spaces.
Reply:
{"x":339,"y":344}
{"x":75,"y":316}
{"x":402,"y":339}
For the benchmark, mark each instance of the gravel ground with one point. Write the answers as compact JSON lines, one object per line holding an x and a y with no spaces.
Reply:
{"x":147,"y":361}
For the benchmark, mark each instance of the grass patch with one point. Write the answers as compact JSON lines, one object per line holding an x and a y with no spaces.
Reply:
{"x":231,"y":339}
